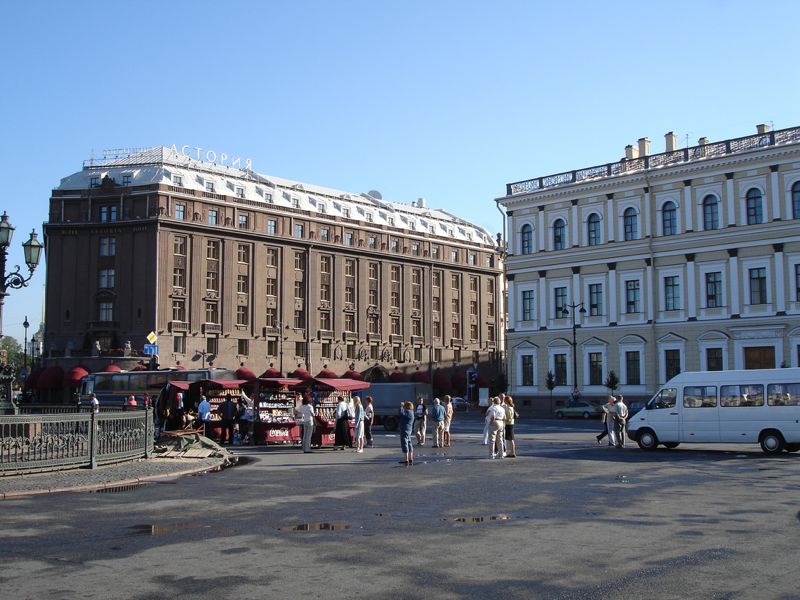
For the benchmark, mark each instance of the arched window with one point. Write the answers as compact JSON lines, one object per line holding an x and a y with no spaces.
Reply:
{"x":755,"y":214}
{"x":593,"y":229}
{"x":796,"y":200}
{"x":710,"y":213}
{"x":558,"y":234}
{"x":630,"y":224}
{"x":669,"y":218}
{"x":527,"y":239}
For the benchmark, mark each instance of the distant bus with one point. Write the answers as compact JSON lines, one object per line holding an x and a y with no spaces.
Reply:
{"x":752,"y":406}
{"x":113,"y":387}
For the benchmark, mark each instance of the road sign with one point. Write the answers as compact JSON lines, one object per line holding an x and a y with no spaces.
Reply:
{"x":152,"y":337}
{"x":150,"y":349}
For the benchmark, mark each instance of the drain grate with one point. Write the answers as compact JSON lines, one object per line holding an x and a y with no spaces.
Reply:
{"x":316,"y":527}
{"x":119,"y":488}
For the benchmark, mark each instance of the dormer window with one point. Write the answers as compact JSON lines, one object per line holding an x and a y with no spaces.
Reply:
{"x":321,"y":209}
{"x":210,"y":186}
{"x":268,"y":198}
{"x":369,"y":217}
{"x":345,"y":212}
{"x":126,"y":179}
{"x":177,"y":180}
{"x":239,"y":191}
{"x":94,"y":182}
{"x":296,"y":202}
{"x":391,"y":221}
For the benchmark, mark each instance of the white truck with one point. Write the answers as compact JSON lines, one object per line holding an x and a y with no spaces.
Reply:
{"x":387,"y":397}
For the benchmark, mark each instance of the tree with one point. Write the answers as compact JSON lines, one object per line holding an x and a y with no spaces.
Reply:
{"x":612,"y":382}
{"x":13,"y":351}
{"x":550,"y":384}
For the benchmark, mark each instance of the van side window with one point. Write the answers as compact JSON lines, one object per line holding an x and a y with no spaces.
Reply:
{"x":700,"y":396}
{"x":664,"y":399}
{"x":783,"y":394}
{"x":741,"y":395}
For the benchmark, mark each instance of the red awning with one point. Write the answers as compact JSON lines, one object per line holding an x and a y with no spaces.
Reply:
{"x":232,"y":384}
{"x":270,"y":374}
{"x":340,"y":385}
{"x":245,"y":373}
{"x":50,"y":378}
{"x":73,"y":377}
{"x":112,"y":367}
{"x":326,"y":374}
{"x":300,"y":374}
{"x":352,"y":375}
{"x":420,"y":377}
{"x":397,"y":376}
{"x":181,"y":385}
{"x":278,"y":382}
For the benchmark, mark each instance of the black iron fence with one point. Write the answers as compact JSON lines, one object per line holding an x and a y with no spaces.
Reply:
{"x":43,"y":442}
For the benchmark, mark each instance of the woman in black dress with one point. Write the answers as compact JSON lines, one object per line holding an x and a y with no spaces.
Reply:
{"x":341,"y":435}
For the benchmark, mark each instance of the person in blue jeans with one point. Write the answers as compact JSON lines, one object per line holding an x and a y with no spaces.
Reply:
{"x":407,"y":432}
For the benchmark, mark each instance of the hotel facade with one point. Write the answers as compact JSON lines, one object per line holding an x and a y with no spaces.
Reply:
{"x":227,"y":266}
{"x":655,"y":264}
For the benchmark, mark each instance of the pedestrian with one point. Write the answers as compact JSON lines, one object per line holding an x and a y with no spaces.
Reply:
{"x":487,"y":420}
{"x":307,"y":420}
{"x":227,"y":411}
{"x":437,"y":423}
{"x":620,"y":418}
{"x":341,"y":434}
{"x":448,"y":419}
{"x":497,"y":415}
{"x":178,"y":410}
{"x":358,"y":415}
{"x":130,"y":403}
{"x":369,"y":418}
{"x":606,"y":419}
{"x":407,"y":421}
{"x":511,"y":417}
{"x":204,"y":415}
{"x":244,"y":418}
{"x":94,"y":402}
{"x":420,"y":421}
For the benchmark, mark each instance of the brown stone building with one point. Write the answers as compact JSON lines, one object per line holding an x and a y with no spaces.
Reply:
{"x":228,"y":266}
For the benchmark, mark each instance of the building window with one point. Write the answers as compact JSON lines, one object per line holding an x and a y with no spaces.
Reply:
{"x":672,"y":363}
{"x":527,"y":370}
{"x":490,"y":333}
{"x":527,"y":305}
{"x":455,"y":330}
{"x":126,"y":180}
{"x":324,"y":264}
{"x":345,"y":212}
{"x":272,"y":286}
{"x":179,"y":310}
{"x":559,"y":233}
{"x":713,"y":359}
{"x":179,"y":245}
{"x":373,"y":271}
{"x":296,"y":202}
{"x":271,"y":317}
{"x":632,"y":368}
{"x":437,"y":329}
{"x":415,"y":248}
{"x":243,"y":347}
{"x":454,"y":256}
{"x":243,"y":253}
{"x":758,"y":286}
{"x":272,"y":347}
{"x":455,"y":281}
{"x":108,"y":246}
{"x":473,"y":307}
{"x":669,"y":219}
{"x":595,"y":368}
{"x":105,"y":311}
{"x":560,"y":302}
{"x":350,"y":294}
{"x":179,"y":344}
{"x":210,"y":186}
{"x":94,"y":182}
{"x":710,"y":213}
{"x":595,"y":299}
{"x":239,"y":191}
{"x":632,"y":299}
{"x":672,"y":293}
{"x":179,"y":277}
{"x":560,"y":368}
{"x":105,"y":279}
{"x":395,"y":326}
{"x":299,"y":231}
{"x":244,"y":221}
{"x":349,"y":322}
{"x":713,"y":289}
{"x":299,"y":290}
{"x":369,"y":217}
{"x":212,"y":281}
{"x":435,"y":252}
{"x":455,"y":305}
{"x":212,"y":345}
{"x":349,"y":267}
{"x":325,"y":234}
{"x":527,"y":239}
{"x":177,"y":180}
{"x":213,"y":217}
{"x":472,"y":259}
{"x":473,"y":284}
{"x":272,"y":257}
{"x":325,"y":320}
{"x":300,"y":349}
{"x":180,"y":212}
{"x":395,"y":299}
{"x":242,"y":283}
{"x":755,"y":214}
{"x":416,"y":327}
{"x":372,"y":323}
{"x":372,"y":242}
{"x":212,"y":312}
{"x":108,"y":213}
{"x":348,"y":239}
{"x":630,"y":224}
{"x":299,"y":262}
{"x":299,"y":318}
{"x":797,"y":282}
{"x":593,"y":229}
{"x":272,"y":227}
{"x":393,"y":245}
{"x":326,"y":350}
{"x":473,"y":331}
{"x":796,"y":200}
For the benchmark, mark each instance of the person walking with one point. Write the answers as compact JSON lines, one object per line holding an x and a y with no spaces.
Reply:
{"x":227,"y":411}
{"x":307,"y":420}
{"x":94,"y":403}
{"x":369,"y":418}
{"x":620,"y":418}
{"x":244,"y":416}
{"x":511,"y":416}
{"x":358,"y":414}
{"x":448,"y":419}
{"x":487,"y":421}
{"x":605,"y":419}
{"x":437,"y":423}
{"x":420,"y":421}
{"x":341,"y":435}
{"x":407,"y":421}
{"x":497,"y":414}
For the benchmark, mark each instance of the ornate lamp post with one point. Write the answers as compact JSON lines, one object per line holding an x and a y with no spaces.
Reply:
{"x":570,"y":310}
{"x":25,"y":324}
{"x":13,"y":280}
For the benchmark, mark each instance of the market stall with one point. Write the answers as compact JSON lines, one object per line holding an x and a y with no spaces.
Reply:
{"x":215,"y":391}
{"x":326,"y":394}
{"x":275,"y":404}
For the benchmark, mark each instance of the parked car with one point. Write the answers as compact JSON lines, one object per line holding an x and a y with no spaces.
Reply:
{"x":579,"y":409}
{"x":460,"y":404}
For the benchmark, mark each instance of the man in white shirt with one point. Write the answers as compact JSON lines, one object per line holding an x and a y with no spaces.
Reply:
{"x":620,"y":418}
{"x":497,"y":416}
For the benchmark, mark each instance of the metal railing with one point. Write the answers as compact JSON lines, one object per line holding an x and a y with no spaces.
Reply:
{"x":43,"y":442}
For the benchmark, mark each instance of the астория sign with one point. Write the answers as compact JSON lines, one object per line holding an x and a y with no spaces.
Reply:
{"x":211,"y":156}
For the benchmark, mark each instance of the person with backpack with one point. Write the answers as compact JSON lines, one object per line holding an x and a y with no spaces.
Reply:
{"x":420,"y":421}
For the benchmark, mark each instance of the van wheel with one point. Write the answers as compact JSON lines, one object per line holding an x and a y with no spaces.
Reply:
{"x":671,"y":445}
{"x":771,"y":442}
{"x":647,"y":440}
{"x":559,"y":414}
{"x":390,"y":423}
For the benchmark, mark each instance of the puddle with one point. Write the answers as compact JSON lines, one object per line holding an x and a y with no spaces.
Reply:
{"x":119,"y":488}
{"x":316,"y":527}
{"x":482,"y":519}
{"x":165,"y":529}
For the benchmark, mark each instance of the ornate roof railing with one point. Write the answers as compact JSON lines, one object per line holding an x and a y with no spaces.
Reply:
{"x":655,"y":161}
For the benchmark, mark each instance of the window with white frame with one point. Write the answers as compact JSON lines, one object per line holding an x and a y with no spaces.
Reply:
{"x":669,"y":218}
{"x":710,"y":213}
{"x":560,"y":302}
{"x":672,"y":293}
{"x":632,"y":296}
{"x":758,"y":285}
{"x":105,"y":279}
{"x":559,"y":234}
{"x":796,"y":200}
{"x":528,"y":308}
{"x":714,"y":298}
{"x":630,"y":224}
{"x":755,"y":211}
{"x":180,"y":212}
{"x":595,"y":299}
{"x":593,"y":233}
{"x":526,"y":237}
{"x":633,"y":367}
{"x":560,"y":368}
{"x":527,"y":369}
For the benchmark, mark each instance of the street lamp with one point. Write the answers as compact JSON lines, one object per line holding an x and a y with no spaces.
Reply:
{"x":25,"y":324}
{"x":569,"y":309}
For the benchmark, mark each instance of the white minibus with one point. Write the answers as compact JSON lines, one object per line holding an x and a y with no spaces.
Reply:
{"x":711,"y":407}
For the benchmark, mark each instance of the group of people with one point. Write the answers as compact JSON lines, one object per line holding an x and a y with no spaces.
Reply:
{"x":414,"y":424}
{"x":615,"y":415}
{"x":363,"y":416}
{"x":498,"y":430}
{"x":234,"y":417}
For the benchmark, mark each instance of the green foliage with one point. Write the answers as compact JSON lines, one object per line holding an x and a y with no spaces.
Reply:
{"x":550,"y":382}
{"x":612,"y":381}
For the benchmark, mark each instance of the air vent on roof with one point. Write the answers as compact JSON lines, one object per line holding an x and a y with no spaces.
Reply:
{"x":375,"y":194}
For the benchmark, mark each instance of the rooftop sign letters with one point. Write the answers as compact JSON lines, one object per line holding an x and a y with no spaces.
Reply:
{"x":212,"y":156}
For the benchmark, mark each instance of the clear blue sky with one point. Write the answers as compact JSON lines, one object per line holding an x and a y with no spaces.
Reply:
{"x":448,"y":100}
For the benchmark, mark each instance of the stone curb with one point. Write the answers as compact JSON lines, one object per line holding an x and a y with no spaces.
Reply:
{"x":102,"y":486}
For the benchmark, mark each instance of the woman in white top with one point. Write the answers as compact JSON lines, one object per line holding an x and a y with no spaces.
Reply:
{"x":369,"y":417}
{"x":306,"y":412}
{"x":358,"y":413}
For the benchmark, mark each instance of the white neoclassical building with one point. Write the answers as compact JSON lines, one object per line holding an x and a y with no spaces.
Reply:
{"x":655,"y":264}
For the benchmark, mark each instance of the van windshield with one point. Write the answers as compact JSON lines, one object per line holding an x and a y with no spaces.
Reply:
{"x":665,"y":398}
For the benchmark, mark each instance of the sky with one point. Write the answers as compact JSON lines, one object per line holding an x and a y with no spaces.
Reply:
{"x":447,"y":100}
